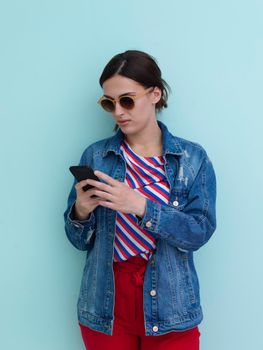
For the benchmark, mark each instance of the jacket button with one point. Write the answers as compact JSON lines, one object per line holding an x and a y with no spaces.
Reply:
{"x":155,"y":328}
{"x":175,"y":203}
{"x":148,"y":224}
{"x":153,"y":293}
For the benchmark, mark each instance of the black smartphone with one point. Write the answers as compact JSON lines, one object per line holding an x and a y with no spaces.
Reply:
{"x":83,"y":172}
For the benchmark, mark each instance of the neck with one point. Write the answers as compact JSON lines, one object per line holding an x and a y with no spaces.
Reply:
{"x":148,"y":142}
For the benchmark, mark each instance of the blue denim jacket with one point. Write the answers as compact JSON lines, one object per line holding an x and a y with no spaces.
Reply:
{"x":181,"y":227}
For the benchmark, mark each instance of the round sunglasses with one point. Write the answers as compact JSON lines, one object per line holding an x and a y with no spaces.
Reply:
{"x":126,"y":101}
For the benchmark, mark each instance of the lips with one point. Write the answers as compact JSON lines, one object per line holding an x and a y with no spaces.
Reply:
{"x":123,"y":122}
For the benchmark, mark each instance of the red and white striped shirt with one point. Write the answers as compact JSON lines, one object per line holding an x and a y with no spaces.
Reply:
{"x":147,"y":176}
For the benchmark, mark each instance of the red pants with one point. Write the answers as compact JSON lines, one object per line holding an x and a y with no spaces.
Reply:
{"x":128,"y":329}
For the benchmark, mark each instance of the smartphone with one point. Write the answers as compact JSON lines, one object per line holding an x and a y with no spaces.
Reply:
{"x":83,"y":172}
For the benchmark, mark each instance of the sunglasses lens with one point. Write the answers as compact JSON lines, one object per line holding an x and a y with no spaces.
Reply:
{"x":126,"y":102}
{"x":108,"y":105}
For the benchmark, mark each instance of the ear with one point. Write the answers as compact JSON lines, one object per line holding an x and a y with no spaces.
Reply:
{"x":156,"y":95}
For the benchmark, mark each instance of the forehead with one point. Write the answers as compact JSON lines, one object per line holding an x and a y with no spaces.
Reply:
{"x":118,"y":85}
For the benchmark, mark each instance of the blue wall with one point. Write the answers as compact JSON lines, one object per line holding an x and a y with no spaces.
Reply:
{"x":52,"y":54}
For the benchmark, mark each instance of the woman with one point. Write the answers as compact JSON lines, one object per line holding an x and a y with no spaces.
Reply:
{"x":153,"y":206}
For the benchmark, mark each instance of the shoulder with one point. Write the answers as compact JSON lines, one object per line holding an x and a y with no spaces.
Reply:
{"x":188,"y":149}
{"x":191,"y":154}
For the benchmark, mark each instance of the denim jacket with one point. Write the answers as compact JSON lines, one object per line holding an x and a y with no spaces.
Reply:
{"x":181,"y":227}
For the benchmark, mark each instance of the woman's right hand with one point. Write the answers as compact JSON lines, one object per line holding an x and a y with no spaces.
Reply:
{"x":85,"y":203}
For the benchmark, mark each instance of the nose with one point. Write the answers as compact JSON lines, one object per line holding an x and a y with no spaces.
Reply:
{"x":118,"y":110}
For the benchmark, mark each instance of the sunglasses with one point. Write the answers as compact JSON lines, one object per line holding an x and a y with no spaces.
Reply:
{"x":126,"y":101}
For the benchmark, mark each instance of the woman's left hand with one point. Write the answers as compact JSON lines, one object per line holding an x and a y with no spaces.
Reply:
{"x":117,"y":195}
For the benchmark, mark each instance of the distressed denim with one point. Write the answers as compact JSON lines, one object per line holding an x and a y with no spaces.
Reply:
{"x":181,"y":227}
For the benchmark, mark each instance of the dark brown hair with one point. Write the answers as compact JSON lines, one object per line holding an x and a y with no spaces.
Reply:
{"x":140,"y":67}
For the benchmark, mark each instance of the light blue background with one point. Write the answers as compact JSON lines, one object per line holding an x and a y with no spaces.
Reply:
{"x":52,"y":54}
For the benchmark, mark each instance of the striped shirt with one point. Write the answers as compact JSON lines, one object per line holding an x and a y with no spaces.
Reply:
{"x":145,"y":175}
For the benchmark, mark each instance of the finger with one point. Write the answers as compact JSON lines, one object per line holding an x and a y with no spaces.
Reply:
{"x":95,"y":201}
{"x":109,"y":180}
{"x":81,"y":184}
{"x":86,"y":194}
{"x":90,"y":193}
{"x":103,"y":195}
{"x":107,"y":204}
{"x":99,"y":185}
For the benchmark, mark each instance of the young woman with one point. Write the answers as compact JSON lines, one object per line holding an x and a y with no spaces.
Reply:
{"x":140,"y":224}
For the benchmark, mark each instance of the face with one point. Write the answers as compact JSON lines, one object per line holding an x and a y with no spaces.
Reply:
{"x":143,"y":112}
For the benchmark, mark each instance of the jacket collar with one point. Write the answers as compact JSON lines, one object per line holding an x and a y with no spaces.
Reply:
{"x":171,"y":144}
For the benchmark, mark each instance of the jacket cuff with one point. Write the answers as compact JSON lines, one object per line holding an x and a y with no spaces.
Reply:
{"x":78,"y":227}
{"x":151,"y":218}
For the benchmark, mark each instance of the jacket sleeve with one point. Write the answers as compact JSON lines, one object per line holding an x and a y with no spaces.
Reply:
{"x":80,"y":233}
{"x":193,"y":225}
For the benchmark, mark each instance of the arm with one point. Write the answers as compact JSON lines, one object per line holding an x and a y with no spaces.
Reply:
{"x":80,"y":232}
{"x":192,"y":227}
